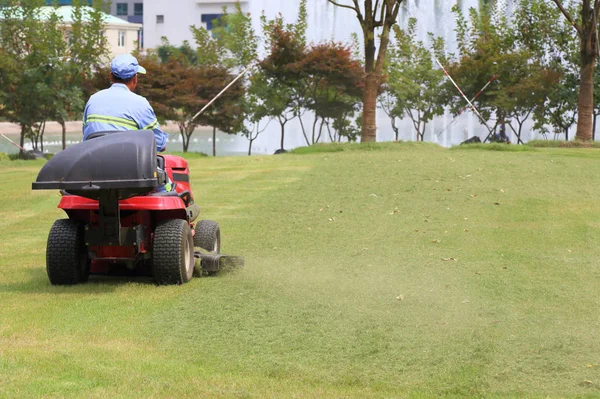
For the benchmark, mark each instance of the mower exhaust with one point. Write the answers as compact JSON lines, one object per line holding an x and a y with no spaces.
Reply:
{"x":213,"y":263}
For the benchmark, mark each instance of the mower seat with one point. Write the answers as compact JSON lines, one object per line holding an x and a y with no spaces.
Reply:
{"x":124,"y":164}
{"x":100,"y":134}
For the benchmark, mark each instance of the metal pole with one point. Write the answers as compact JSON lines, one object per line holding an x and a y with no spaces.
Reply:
{"x":463,"y":95}
{"x":13,"y":143}
{"x":463,"y":108}
{"x":220,"y":93}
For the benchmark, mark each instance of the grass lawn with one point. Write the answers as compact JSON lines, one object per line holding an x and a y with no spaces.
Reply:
{"x":389,"y":270}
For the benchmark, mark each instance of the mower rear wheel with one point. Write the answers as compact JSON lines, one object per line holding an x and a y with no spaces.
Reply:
{"x":208,"y":236}
{"x":173,"y":252}
{"x":67,"y":261}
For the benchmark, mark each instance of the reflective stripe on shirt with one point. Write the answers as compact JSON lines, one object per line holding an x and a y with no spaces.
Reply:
{"x":151,"y":126}
{"x":114,"y":120}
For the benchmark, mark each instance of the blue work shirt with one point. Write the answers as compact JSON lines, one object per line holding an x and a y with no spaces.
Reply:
{"x":117,"y":108}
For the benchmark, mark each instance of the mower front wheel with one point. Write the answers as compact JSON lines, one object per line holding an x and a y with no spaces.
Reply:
{"x":67,"y":261}
{"x":208,"y":236}
{"x":173,"y":253}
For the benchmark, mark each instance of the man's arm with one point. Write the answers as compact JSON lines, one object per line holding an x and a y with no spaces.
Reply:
{"x":85,"y":113}
{"x":149,"y":122}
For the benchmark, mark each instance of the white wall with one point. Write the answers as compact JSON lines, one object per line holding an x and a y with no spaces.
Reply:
{"x":131,"y":36}
{"x":325,"y":22}
{"x":179,"y":15}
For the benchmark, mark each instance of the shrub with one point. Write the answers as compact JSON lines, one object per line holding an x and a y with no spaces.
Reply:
{"x":493,"y":147}
{"x":563,"y":144}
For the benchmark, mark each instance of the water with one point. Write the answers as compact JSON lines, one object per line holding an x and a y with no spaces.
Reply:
{"x":201,"y":142}
{"x":327,"y":22}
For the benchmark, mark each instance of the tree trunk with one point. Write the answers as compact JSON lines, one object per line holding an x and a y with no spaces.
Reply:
{"x":22,"y":140}
{"x":214,"y":141}
{"x":43,"y":129}
{"x":282,"y":133}
{"x":567,"y":133}
{"x":182,"y":131}
{"x":585,"y":103}
{"x":303,"y":129}
{"x":588,"y":36}
{"x":250,"y":146}
{"x":63,"y":127}
{"x":369,"y":126}
{"x":314,"y":127}
{"x":371,"y":17}
{"x":320,"y":129}
{"x":394,"y":128}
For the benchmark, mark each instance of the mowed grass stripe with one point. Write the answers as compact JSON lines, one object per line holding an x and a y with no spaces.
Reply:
{"x":394,"y":270}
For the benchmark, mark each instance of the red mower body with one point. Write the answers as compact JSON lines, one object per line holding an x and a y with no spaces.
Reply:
{"x":136,"y":212}
{"x":116,"y":217}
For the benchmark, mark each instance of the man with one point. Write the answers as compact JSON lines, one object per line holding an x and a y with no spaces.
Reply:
{"x":119,"y":108}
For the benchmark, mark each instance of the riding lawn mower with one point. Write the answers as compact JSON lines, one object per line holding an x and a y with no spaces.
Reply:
{"x":118,"y":218}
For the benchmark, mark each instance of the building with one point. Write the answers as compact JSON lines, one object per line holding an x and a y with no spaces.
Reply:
{"x":129,"y":10}
{"x":122,"y":36}
{"x":173,"y":18}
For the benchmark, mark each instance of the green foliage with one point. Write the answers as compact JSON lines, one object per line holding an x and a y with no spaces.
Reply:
{"x":551,"y":40}
{"x":489,"y":46}
{"x":184,"y":53}
{"x":339,"y":147}
{"x":177,"y":91}
{"x":43,"y":67}
{"x":188,"y":155}
{"x":413,"y":83}
{"x":562,"y":144}
{"x":318,"y":148}
{"x":279,"y":88}
{"x":4,"y":157}
{"x":493,"y":147}
{"x":209,"y":51}
{"x":333,"y":85}
{"x":236,"y":37}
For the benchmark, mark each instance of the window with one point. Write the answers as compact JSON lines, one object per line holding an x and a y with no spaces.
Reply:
{"x":122,"y":8}
{"x":160,"y":19}
{"x":121,"y":38}
{"x":210,"y":20}
{"x":138,"y":9}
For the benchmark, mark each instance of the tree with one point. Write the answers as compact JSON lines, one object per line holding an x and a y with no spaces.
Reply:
{"x":373,"y":16}
{"x":33,"y":44}
{"x":282,"y":90}
{"x":46,"y":63}
{"x":185,"y":52}
{"x":333,"y":82}
{"x":177,"y":91}
{"x":587,"y":31}
{"x":281,"y":94}
{"x":87,"y":51}
{"x":488,"y":47}
{"x":549,"y":38}
{"x":413,"y":81}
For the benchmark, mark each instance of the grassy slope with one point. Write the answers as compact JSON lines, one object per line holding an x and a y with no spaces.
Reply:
{"x":350,"y":288}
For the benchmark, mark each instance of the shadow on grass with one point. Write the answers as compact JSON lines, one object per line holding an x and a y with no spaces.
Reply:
{"x":39,"y":283}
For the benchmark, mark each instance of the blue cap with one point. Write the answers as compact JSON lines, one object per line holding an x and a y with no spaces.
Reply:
{"x":126,"y":66}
